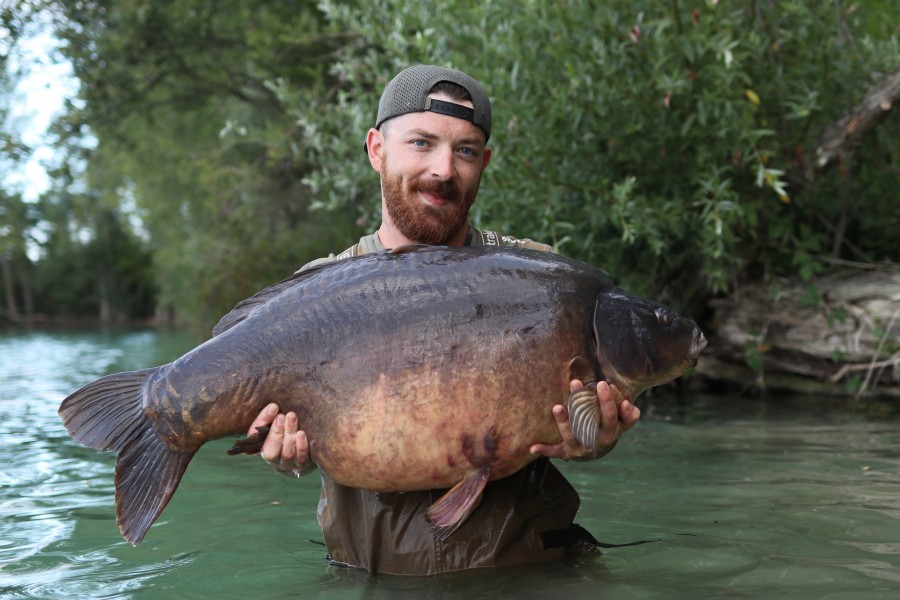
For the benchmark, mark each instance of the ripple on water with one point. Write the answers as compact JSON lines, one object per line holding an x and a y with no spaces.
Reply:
{"x":889,"y":548}
{"x":754,"y":500}
{"x":87,"y":575}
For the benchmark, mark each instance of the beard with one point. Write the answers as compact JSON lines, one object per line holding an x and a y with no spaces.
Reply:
{"x":421,"y":222}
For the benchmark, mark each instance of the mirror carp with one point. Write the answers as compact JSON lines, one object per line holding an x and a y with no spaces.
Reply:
{"x":419,"y":368}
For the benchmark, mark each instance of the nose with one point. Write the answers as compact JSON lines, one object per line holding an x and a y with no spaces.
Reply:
{"x":442,"y":164}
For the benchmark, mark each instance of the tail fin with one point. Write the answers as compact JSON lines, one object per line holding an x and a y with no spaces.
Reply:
{"x":108,"y":414}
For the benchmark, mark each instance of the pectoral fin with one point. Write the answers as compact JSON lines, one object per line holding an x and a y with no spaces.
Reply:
{"x":454,"y":507}
{"x":251,"y":444}
{"x":584,"y":415}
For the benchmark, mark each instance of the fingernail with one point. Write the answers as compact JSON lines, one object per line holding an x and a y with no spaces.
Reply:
{"x":271,"y":409}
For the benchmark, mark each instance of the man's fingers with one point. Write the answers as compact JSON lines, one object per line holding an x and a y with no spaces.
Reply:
{"x":609,"y":416}
{"x":561,"y":415}
{"x":271,"y":449}
{"x":264,"y":418}
{"x":619,"y":398}
{"x":629,"y":414}
{"x":288,"y":444}
{"x":301,"y":446}
{"x":609,"y":412}
{"x":549,"y":450}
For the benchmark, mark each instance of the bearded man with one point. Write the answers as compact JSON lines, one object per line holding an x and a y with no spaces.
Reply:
{"x":429,"y":145}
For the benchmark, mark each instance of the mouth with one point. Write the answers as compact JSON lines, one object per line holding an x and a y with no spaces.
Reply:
{"x":435,"y":199}
{"x":699,"y":345}
{"x":438,"y":193}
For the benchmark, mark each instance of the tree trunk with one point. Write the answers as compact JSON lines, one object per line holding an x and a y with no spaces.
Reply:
{"x":12,"y":310}
{"x":839,"y":334}
{"x":27,"y":297}
{"x":103,"y":300}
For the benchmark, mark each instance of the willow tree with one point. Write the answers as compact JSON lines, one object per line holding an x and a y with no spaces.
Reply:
{"x":186,"y":132}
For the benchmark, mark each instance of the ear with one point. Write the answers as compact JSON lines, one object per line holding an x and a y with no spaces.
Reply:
{"x":375,"y":148}
{"x":487,"y":158}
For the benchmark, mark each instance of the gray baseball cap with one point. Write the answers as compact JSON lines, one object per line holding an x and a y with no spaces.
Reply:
{"x":408,"y":92}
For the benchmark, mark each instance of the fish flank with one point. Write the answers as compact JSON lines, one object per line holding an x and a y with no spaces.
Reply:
{"x":439,"y":383}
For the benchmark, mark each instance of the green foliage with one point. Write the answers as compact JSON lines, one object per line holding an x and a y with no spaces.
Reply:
{"x":192,"y":139}
{"x":90,"y":266}
{"x":11,"y":147}
{"x":15,"y":221}
{"x":664,"y":142}
{"x":668,"y":143}
{"x":95,"y":268}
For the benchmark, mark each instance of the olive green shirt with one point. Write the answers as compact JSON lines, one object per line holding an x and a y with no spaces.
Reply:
{"x":476,"y":237}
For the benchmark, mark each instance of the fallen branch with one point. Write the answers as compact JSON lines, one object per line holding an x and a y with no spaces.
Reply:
{"x":894,"y":361}
{"x":841,"y":138}
{"x":780,"y":332}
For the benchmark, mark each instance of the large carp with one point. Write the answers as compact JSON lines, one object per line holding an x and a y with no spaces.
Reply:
{"x":420,"y":368}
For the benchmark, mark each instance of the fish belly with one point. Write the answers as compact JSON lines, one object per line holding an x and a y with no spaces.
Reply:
{"x":425,"y":428}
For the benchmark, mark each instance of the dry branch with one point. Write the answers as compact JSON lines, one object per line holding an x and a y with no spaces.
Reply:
{"x":840,"y":138}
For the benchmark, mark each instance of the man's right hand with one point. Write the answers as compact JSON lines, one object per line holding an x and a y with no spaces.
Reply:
{"x":286,"y":448}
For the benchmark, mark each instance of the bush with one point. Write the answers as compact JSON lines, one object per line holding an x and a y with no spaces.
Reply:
{"x":669,"y":144}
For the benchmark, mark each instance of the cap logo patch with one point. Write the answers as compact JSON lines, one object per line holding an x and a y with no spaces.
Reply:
{"x":450,"y":109}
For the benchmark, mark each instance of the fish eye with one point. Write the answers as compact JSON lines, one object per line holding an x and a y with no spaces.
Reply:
{"x":664,"y":316}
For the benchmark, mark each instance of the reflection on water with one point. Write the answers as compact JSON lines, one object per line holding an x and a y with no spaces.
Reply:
{"x":54,"y":494}
{"x":796,"y":498}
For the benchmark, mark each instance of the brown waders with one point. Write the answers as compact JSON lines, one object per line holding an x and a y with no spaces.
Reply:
{"x":388,"y":533}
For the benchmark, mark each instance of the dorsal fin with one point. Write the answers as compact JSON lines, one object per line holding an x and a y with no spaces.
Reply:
{"x":243,"y":308}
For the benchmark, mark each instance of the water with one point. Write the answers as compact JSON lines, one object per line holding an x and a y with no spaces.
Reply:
{"x":787,"y":498}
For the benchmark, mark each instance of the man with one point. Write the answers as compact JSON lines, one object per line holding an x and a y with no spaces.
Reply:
{"x":429,"y":145}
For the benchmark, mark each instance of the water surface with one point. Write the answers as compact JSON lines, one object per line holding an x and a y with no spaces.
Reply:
{"x":792,"y":497}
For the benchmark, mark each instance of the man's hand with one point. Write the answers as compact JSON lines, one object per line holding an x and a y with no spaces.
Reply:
{"x":615,"y":420}
{"x":286,"y":448}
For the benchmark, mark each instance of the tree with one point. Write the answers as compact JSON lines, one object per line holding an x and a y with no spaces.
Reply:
{"x":669,"y":143}
{"x":91,"y":265}
{"x":15,"y":221}
{"x":178,"y":97}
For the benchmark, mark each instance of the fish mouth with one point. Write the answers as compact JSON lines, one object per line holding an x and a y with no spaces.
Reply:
{"x":698,"y":345}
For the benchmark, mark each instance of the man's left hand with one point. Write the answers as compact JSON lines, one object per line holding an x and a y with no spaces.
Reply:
{"x":615,"y":420}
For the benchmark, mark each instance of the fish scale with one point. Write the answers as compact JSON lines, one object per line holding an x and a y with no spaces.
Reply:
{"x":420,"y":368}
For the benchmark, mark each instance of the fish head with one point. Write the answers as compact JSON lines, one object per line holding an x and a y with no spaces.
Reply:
{"x":640,"y":344}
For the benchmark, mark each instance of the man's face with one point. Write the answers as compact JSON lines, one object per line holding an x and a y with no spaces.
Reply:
{"x":430,"y":166}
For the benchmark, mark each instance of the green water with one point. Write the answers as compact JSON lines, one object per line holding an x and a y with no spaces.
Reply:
{"x":785,"y":498}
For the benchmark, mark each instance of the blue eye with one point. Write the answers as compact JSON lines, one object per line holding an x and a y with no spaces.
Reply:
{"x":420,"y":143}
